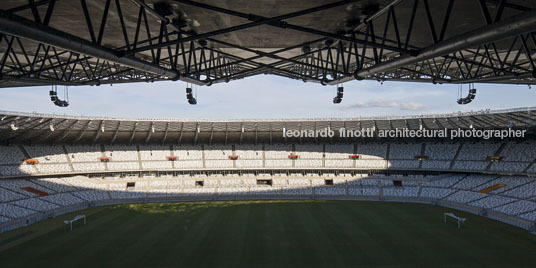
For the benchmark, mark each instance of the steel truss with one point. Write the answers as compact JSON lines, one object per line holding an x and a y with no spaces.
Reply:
{"x":34,"y":53}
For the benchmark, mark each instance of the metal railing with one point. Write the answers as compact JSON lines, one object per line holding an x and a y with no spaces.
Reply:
{"x":361,"y":118}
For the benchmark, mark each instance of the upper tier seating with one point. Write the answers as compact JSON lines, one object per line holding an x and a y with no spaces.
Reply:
{"x":519,"y":152}
{"x":53,"y":168}
{"x":478,"y":151}
{"x":309,"y":151}
{"x":308,"y":163}
{"x":374,"y":164}
{"x":11,"y":155}
{"x":405,"y":164}
{"x":113,"y":165}
{"x":277,"y":151}
{"x":218,"y":152}
{"x":154,"y":152}
{"x":84,"y":153}
{"x":341,"y":163}
{"x":339,"y":151}
{"x":249,"y":163}
{"x":249,"y":151}
{"x":157,"y":165}
{"x":17,"y":170}
{"x":121,"y":152}
{"x":85,"y":158}
{"x":81,"y":167}
{"x":439,"y":151}
{"x":404,"y":151}
{"x":47,"y":154}
{"x":372,"y":151}
{"x":187,"y":152}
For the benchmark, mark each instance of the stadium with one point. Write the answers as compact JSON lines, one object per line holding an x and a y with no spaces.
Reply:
{"x":453,"y":189}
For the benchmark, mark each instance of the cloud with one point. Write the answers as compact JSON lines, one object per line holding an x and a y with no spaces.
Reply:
{"x":412,"y":106}
{"x":373,"y":104}
{"x":406,"y":106}
{"x":263,"y":96}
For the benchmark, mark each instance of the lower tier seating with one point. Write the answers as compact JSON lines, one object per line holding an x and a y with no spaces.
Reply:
{"x":510,"y":195}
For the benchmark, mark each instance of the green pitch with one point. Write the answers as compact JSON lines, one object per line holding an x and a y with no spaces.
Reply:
{"x":269,"y":234}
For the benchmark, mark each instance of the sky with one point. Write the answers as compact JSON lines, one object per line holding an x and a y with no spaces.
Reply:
{"x":265,"y":97}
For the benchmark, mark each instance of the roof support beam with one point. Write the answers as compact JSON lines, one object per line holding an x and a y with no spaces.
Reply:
{"x":69,"y":128}
{"x":4,"y":121}
{"x":256,"y":132}
{"x":270,"y":133}
{"x":211,"y":133}
{"x":520,"y":24}
{"x":28,"y":6}
{"x":226,"y":133}
{"x":18,"y":26}
{"x":180,"y":135}
{"x":165,"y":134}
{"x":50,"y":133}
{"x":197,"y":130}
{"x":241,"y":132}
{"x":485,"y":119}
{"x":101,"y":126}
{"x":300,"y":128}
{"x":133,"y":133}
{"x":115,"y":133}
{"x":257,"y":21}
{"x":149,"y":133}
{"x":285,"y":25}
{"x":83,"y":132}
{"x":24,"y":127}
{"x":27,"y":129}
{"x":316,"y":136}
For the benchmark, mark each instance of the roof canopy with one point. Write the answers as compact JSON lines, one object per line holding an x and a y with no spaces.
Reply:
{"x":43,"y":128}
{"x":94,"y":42}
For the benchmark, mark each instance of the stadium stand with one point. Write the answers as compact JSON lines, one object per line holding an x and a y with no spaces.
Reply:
{"x":455,"y":173}
{"x":404,"y":151}
{"x":441,"y":151}
{"x":478,"y":151}
{"x":82,"y":159}
{"x":511,"y":200}
{"x":372,"y":151}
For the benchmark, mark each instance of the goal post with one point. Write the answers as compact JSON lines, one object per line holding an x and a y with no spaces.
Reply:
{"x":451,"y":215}
{"x":75,"y":219}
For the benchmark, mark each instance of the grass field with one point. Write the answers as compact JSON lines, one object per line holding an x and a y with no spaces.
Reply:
{"x":269,"y":234}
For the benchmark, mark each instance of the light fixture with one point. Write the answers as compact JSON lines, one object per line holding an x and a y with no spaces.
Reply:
{"x":190,"y":96}
{"x":338,"y":99}
{"x":54,"y":96}
{"x":470,"y":97}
